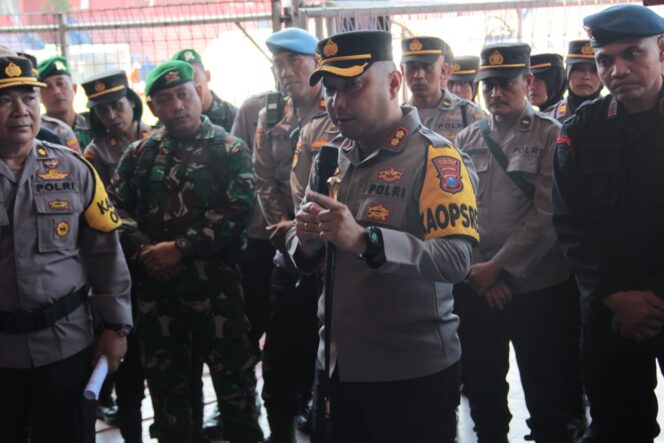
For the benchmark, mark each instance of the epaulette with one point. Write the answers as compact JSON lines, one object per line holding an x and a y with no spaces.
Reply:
{"x":434,"y":138}
{"x":43,"y":153}
{"x":545,"y":116}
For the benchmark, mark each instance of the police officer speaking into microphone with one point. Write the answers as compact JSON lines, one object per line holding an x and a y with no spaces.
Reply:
{"x":403,"y":229}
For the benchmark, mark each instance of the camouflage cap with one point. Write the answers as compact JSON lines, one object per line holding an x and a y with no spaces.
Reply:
{"x":53,"y":66}
{"x":168,"y":75}
{"x":17,"y":71}
{"x":188,"y":55}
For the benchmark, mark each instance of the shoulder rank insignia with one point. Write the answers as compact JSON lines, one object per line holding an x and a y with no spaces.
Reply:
{"x":562,"y":110}
{"x":397,"y":138}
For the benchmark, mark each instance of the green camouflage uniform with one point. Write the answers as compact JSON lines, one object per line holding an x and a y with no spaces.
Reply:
{"x":202,"y":310}
{"x":221,"y":113}
{"x":82,"y":130}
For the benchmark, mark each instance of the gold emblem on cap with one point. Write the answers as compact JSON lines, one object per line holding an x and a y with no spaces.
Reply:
{"x":99,"y":86}
{"x":13,"y":70}
{"x":456,"y":67}
{"x":330,"y":49}
{"x":60,"y":66}
{"x":587,"y":50}
{"x":172,"y":76}
{"x":496,"y":58}
{"x":188,"y":55}
{"x":415,"y":45}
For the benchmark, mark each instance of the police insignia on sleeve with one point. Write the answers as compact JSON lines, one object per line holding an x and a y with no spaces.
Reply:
{"x":447,"y":206}
{"x":449,"y":170}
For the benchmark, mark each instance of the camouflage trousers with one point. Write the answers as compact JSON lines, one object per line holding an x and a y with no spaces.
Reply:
{"x":208,"y":323}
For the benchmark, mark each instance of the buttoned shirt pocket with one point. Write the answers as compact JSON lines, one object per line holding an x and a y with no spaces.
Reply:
{"x":57,"y":221}
{"x":525,"y":165}
{"x":382,"y":211}
{"x":481,"y":162}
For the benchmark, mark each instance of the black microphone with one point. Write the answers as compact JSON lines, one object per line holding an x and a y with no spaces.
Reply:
{"x":328,"y":160}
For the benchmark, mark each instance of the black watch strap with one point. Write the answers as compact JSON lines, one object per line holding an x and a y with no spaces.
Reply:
{"x":374,"y":251}
{"x":122,"y":330}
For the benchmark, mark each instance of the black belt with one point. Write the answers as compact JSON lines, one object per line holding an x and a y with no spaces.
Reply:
{"x":21,"y":322}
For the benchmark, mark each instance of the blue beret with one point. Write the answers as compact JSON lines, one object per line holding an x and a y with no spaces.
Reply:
{"x":622,"y":21}
{"x":292,"y":40}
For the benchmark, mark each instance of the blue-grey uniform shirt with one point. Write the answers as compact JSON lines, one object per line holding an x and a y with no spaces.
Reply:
{"x":57,"y":233}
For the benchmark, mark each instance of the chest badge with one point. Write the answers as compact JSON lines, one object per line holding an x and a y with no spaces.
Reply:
{"x":390,"y":175}
{"x":59,"y":205}
{"x":52,"y":172}
{"x":449,"y":172}
{"x":62,"y":229}
{"x":378,"y":213}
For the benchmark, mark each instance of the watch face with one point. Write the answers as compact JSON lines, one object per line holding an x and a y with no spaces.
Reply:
{"x":373,"y":236}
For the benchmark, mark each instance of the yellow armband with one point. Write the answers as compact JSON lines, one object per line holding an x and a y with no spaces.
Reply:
{"x":447,"y":202}
{"x":100,"y":213}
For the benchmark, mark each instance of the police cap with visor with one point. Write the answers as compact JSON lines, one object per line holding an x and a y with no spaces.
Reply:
{"x":350,"y":54}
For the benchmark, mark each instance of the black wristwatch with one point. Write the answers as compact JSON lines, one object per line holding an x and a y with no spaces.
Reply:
{"x":184,"y":246}
{"x":374,"y":239}
{"x":121,"y":330}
